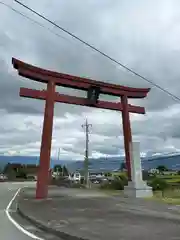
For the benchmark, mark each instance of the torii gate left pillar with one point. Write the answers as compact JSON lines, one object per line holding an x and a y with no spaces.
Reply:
{"x":45,"y":152}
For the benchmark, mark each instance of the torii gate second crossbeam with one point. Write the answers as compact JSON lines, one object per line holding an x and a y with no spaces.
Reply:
{"x":93,"y":89}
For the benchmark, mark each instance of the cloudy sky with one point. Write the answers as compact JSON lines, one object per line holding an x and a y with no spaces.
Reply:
{"x":143,"y":34}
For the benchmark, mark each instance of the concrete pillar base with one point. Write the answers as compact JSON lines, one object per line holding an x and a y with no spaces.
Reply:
{"x":140,"y":190}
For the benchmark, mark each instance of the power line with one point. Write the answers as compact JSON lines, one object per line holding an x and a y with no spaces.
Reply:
{"x":99,"y":51}
{"x":32,"y":20}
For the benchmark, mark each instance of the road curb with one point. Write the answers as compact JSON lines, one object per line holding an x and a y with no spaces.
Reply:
{"x":43,"y":227}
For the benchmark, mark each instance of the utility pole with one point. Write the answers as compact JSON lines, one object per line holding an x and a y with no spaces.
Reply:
{"x":86,"y":157}
{"x":58,"y":160}
{"x":58,"y":153}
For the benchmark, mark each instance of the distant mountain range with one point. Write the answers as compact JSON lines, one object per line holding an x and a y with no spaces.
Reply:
{"x":171,"y":161}
{"x":26,"y":160}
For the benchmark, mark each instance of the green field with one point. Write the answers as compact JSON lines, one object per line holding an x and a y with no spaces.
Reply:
{"x":170,"y":177}
{"x":170,"y":195}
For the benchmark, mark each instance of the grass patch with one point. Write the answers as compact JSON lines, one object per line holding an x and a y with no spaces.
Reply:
{"x":124,"y":174}
{"x":171,"y":201}
{"x":170,"y":197}
{"x":173,"y":180}
{"x":166,"y":177}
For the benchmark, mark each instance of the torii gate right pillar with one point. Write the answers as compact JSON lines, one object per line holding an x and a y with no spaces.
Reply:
{"x":127,"y":134}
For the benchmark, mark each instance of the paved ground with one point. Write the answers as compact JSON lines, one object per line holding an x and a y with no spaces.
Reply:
{"x":95,"y":216}
{"x":7,"y":230}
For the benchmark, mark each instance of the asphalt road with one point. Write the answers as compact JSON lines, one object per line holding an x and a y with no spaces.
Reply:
{"x":7,"y":229}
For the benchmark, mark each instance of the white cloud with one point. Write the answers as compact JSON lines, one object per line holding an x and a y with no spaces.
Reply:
{"x":142,"y":34}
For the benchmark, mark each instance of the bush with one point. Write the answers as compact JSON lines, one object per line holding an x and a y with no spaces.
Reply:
{"x":60,"y":182}
{"x":145,"y":175}
{"x":124,"y":179}
{"x":116,"y":184}
{"x":158,"y":184}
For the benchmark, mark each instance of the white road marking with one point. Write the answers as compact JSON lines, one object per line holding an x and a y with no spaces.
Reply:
{"x":19,"y":227}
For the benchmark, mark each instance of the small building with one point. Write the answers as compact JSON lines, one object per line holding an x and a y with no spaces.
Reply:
{"x":153,"y":171}
{"x":75,"y":177}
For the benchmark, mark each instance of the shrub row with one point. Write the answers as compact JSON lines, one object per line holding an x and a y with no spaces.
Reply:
{"x":157,"y":184}
{"x":117,"y":183}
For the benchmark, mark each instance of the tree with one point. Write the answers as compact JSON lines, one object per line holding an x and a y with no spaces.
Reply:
{"x":123,"y":166}
{"x":57,"y":168}
{"x":108,"y":174}
{"x":9,"y":171}
{"x":65,"y":171}
{"x":162,"y":168}
{"x":21,"y":173}
{"x":6,"y":168}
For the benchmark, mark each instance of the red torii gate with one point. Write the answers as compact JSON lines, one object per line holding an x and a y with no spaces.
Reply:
{"x":94,"y":89}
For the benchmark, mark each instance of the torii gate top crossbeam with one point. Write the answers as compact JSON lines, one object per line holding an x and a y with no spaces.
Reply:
{"x":61,"y":79}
